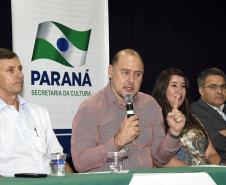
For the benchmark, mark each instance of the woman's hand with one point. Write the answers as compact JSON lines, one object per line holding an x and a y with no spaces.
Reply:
{"x":176,"y":119}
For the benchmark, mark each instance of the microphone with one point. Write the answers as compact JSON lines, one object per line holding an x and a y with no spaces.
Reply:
{"x":129,"y":105}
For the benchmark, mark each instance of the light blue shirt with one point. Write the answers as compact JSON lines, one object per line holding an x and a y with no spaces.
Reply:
{"x":26,"y":139}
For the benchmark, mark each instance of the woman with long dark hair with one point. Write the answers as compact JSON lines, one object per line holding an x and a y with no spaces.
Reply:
{"x":171,"y":89}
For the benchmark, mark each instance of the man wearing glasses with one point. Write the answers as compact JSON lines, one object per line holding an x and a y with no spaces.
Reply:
{"x":210,"y":108}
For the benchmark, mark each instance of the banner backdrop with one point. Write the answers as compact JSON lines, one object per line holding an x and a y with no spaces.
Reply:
{"x":64,"y":48}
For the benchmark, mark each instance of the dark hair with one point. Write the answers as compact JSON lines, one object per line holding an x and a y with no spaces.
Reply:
{"x":7,"y":54}
{"x":207,"y":72}
{"x":125,"y":51}
{"x":159,"y":93}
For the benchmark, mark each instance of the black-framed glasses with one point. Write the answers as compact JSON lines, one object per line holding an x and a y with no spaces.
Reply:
{"x":216,"y":86}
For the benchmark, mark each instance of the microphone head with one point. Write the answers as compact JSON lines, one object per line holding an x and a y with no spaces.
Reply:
{"x":128,"y":98}
{"x":129,"y":105}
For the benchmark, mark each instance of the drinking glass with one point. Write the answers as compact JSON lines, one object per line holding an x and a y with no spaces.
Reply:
{"x":58,"y":164}
{"x":115,"y":161}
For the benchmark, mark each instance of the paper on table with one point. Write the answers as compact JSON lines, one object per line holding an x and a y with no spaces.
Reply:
{"x":200,"y":178}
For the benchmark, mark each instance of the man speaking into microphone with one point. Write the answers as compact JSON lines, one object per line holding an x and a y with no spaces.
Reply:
{"x":103,"y":125}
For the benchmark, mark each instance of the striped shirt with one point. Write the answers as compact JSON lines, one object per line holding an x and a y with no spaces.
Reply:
{"x":97,"y":122}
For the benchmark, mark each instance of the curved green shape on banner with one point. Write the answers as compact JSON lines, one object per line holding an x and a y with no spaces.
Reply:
{"x":44,"y":50}
{"x":79,"y":39}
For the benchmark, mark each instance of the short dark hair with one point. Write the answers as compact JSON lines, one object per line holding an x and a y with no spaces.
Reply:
{"x":7,"y":54}
{"x":125,"y":51}
{"x":207,"y":72}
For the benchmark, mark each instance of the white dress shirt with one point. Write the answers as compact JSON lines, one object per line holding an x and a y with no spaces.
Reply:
{"x":220,"y":111}
{"x":26,"y":139}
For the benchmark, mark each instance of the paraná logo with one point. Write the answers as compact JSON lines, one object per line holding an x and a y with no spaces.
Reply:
{"x":62,"y":44}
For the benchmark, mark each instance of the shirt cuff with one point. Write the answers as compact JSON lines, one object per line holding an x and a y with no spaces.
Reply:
{"x":109,"y":146}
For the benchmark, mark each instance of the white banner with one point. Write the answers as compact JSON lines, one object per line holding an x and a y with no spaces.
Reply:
{"x":64,"y":48}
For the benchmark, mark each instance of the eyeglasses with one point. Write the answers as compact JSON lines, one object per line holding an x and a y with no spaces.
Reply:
{"x":215,"y":86}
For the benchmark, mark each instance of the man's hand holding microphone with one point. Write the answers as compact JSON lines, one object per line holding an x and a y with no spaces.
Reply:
{"x":129,"y":129}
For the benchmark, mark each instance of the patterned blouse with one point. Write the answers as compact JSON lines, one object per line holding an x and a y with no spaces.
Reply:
{"x":194,"y":146}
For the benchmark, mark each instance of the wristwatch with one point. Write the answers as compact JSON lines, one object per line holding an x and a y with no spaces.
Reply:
{"x":173,"y":136}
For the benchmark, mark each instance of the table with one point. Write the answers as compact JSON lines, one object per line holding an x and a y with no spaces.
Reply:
{"x":217,"y":173}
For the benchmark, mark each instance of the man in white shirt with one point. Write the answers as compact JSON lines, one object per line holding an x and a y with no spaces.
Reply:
{"x":210,"y":108}
{"x":26,"y":135}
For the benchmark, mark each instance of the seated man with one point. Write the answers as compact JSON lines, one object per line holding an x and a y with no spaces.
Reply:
{"x":26,"y":136}
{"x":210,"y":108}
{"x":101,"y":124}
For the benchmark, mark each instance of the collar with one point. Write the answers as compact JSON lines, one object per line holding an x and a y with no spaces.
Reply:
{"x":3,"y":104}
{"x":111,"y":97}
{"x":220,"y":108}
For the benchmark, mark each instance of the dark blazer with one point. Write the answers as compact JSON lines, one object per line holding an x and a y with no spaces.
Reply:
{"x":213,"y":123}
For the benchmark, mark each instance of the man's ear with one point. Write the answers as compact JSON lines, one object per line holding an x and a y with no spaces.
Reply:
{"x":110,"y":71}
{"x":201,"y":91}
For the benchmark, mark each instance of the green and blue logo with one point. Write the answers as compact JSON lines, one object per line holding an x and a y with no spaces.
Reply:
{"x":61,"y":44}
